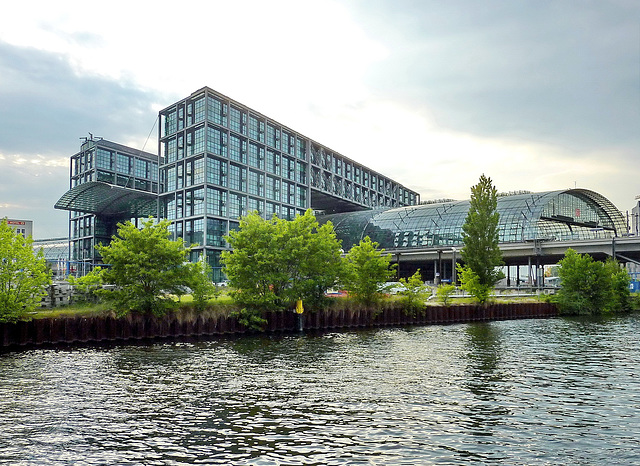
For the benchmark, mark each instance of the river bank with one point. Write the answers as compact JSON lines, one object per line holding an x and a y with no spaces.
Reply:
{"x":96,"y":329}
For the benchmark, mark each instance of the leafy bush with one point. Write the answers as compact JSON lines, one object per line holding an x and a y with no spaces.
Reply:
{"x":470,"y":282}
{"x":444,"y":293}
{"x":413,"y":295}
{"x":591,"y":287}
{"x":86,"y":288}
{"x":365,"y":268}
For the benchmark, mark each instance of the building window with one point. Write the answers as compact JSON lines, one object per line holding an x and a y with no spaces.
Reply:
{"x":273,"y":136}
{"x":216,"y":202}
{"x":216,"y":171}
{"x":170,"y":122}
{"x":256,"y":155}
{"x":142,"y":168}
{"x":255,"y":183}
{"x":237,"y":120}
{"x":199,"y":107}
{"x":194,"y":231}
{"x":301,"y":149}
{"x":103,"y":159}
{"x":217,"y":141}
{"x":288,"y":192}
{"x":170,"y":208}
{"x":302,"y":172}
{"x":272,"y":209}
{"x":256,"y":128}
{"x":237,"y":205}
{"x":237,"y":149}
{"x":194,"y":202}
{"x":287,"y":143}
{"x":195,"y":141}
{"x":272,"y":188}
{"x":217,"y":112}
{"x":301,"y":196}
{"x":255,"y":205}
{"x":272,"y":164}
{"x":289,"y":170}
{"x":216,"y":230}
{"x":123,"y":164}
{"x":237,"y":177}
{"x":170,"y":150}
{"x":105,"y":176}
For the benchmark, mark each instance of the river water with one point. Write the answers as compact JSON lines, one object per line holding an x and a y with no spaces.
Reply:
{"x":555,"y":391}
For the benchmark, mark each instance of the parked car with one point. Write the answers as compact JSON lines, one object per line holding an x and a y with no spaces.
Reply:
{"x":391,"y":287}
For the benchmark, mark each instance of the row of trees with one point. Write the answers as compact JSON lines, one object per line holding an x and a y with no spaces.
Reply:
{"x":275,"y":263}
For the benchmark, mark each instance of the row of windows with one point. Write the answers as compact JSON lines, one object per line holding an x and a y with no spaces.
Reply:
{"x":126,"y":181}
{"x":115,"y":162}
{"x":224,"y":203}
{"x":193,"y":232}
{"x":184,"y":174}
{"x":184,"y":144}
{"x":237,"y":120}
{"x":238,"y":177}
{"x":175,"y":120}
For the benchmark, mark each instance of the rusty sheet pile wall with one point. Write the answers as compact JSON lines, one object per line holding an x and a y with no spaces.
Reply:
{"x":143,"y":327}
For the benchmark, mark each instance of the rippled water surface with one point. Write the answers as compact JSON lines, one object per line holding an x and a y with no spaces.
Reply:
{"x":515,"y":392}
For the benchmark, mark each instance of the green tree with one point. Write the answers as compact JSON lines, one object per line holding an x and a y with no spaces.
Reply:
{"x":23,"y":275}
{"x":413,"y":295}
{"x":620,"y":281}
{"x":444,"y":293}
{"x":470,"y":282}
{"x":591,"y":287}
{"x":365,"y":268}
{"x":146,"y":267}
{"x":199,"y":283}
{"x":480,"y":235}
{"x":276,"y":262}
{"x":86,"y":287}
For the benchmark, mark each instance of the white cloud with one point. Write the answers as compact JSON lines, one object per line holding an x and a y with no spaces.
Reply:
{"x":429,"y":96}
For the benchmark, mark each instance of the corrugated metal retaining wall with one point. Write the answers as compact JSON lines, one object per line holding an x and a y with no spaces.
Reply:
{"x":139,"y":327}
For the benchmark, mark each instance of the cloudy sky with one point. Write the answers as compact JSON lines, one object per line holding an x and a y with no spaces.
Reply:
{"x":536,"y":94}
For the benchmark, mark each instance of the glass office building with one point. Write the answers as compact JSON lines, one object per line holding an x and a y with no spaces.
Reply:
{"x":574,"y":214}
{"x":220,"y":160}
{"x":109,"y":183}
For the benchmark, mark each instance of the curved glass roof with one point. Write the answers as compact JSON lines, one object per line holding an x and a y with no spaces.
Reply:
{"x":97,"y":197}
{"x":552,"y":216}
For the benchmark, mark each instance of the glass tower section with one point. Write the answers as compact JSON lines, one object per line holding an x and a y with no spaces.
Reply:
{"x":221,"y":160}
{"x":110,"y":164}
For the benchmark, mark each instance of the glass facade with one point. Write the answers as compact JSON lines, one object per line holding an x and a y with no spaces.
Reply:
{"x":574,"y":214}
{"x":221,"y":160}
{"x":108,"y":162}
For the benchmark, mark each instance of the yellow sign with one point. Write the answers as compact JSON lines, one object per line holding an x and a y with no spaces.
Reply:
{"x":299,"y":308}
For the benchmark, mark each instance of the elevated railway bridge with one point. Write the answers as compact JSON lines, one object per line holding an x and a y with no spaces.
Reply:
{"x":531,"y":255}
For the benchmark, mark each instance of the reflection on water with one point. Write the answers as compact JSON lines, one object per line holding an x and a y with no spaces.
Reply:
{"x":516,"y":392}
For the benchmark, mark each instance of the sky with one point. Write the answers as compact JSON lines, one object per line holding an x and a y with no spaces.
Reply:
{"x":538,"y":95}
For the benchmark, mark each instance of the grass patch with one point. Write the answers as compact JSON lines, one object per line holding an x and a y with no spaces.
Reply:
{"x":224,"y":305}
{"x":73,"y":310}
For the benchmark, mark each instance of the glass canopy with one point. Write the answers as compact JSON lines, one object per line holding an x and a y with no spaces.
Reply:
{"x":97,"y":197}
{"x":551,"y":216}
